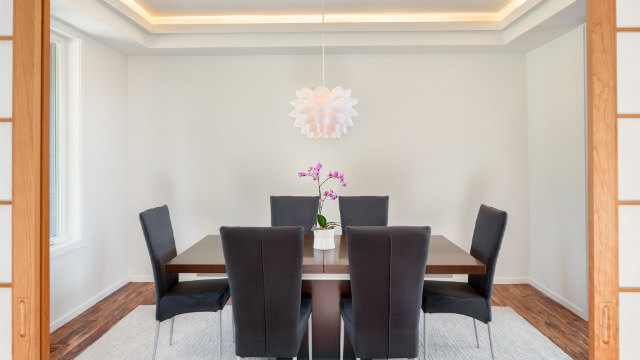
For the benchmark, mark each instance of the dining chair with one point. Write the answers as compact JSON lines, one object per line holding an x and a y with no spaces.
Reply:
{"x":471,"y":298}
{"x":363,"y":211}
{"x":294,"y":211}
{"x":172,"y":296}
{"x":386,"y":266}
{"x":264,"y":266}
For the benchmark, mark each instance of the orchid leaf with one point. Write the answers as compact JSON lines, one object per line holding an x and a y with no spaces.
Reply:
{"x":322,"y":221}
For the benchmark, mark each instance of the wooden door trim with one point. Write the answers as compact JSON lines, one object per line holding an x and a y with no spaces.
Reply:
{"x":30,"y":35}
{"x":603,"y":179}
{"x":44,"y":185}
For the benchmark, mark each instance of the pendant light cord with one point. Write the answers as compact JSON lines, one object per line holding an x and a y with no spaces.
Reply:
{"x":323,"y":78}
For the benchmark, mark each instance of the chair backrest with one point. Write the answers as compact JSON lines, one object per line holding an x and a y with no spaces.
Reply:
{"x":485,"y":246}
{"x":387,"y":267}
{"x":264,"y":266}
{"x":363,"y":211}
{"x":158,"y":234}
{"x":294,"y":211}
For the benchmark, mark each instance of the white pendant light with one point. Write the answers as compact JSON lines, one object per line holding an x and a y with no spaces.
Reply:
{"x":323,"y":113}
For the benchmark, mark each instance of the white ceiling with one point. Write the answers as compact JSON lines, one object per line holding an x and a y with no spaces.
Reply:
{"x":293,"y":26}
{"x":275,"y":7}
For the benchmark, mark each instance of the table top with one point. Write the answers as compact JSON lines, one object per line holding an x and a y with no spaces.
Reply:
{"x":206,"y":257}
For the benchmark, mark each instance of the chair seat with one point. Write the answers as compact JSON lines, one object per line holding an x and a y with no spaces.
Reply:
{"x":456,"y":298}
{"x":193,"y":296}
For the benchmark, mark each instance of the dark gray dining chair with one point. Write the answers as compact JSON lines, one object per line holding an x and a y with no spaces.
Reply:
{"x":173,"y":297}
{"x":363,"y":211}
{"x":264,"y":266}
{"x":294,"y":211}
{"x":386,"y":266}
{"x":472,"y":298}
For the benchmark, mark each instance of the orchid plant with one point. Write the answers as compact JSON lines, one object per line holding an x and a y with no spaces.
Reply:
{"x":313,"y":172}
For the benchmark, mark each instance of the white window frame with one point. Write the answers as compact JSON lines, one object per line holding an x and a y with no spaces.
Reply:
{"x":69,"y":235}
{"x":61,"y":44}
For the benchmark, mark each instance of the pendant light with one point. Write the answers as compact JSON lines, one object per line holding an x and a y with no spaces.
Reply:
{"x":323,"y":113}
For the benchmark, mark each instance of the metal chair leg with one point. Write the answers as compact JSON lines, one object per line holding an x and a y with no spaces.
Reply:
{"x":341,"y":338}
{"x":219,"y":334}
{"x":490,"y":340}
{"x":155,"y":342}
{"x":171,"y":333}
{"x":310,"y":338}
{"x":475,"y":328}
{"x":424,"y":335}
{"x":233,"y":329}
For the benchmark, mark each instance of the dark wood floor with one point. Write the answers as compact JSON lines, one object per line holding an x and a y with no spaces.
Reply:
{"x":564,"y":328}
{"x":72,"y":338}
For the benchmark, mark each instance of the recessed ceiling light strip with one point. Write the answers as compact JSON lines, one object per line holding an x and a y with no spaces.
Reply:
{"x":408,"y":17}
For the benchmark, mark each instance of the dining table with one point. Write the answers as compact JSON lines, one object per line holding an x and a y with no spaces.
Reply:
{"x":325,"y":279}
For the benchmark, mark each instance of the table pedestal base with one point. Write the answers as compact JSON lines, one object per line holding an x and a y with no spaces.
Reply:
{"x":326,"y":295}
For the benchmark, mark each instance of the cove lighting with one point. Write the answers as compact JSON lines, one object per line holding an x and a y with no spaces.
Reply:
{"x":509,"y":8}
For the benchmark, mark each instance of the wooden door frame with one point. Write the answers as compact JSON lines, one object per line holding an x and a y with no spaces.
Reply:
{"x":603,"y":179}
{"x":30,"y":180}
{"x":30,"y":279}
{"x":45,"y":319}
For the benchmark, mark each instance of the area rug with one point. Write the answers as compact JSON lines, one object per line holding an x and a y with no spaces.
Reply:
{"x":195,"y":337}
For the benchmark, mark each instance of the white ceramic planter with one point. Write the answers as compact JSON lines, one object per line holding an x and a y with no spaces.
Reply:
{"x":324,"y":239}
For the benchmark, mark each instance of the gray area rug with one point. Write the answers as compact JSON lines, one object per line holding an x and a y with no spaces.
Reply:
{"x":195,"y":337}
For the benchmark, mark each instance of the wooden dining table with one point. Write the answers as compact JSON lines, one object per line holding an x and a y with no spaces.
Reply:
{"x":325,"y":279}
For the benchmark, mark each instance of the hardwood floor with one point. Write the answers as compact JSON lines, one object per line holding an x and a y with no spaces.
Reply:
{"x":72,"y":338}
{"x":564,"y":328}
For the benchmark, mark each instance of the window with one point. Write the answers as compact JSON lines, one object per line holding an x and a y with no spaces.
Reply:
{"x":54,"y":120}
{"x":64,"y":184}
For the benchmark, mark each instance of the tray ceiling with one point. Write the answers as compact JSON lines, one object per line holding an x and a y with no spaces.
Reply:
{"x":294,"y":26}
{"x":279,"y":7}
{"x":227,"y":12}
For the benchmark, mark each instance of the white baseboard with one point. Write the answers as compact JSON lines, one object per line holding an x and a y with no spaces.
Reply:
{"x":510,"y":280}
{"x":498,"y":280}
{"x":559,"y":299}
{"x":140,"y":278}
{"x":54,"y":325}
{"x":183,"y":277}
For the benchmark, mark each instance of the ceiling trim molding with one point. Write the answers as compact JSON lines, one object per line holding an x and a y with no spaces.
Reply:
{"x":335,"y":22}
{"x":411,"y":17}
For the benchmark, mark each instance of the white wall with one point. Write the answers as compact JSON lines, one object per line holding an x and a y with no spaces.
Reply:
{"x":439,"y":133}
{"x":84,"y":275}
{"x":557,"y":170}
